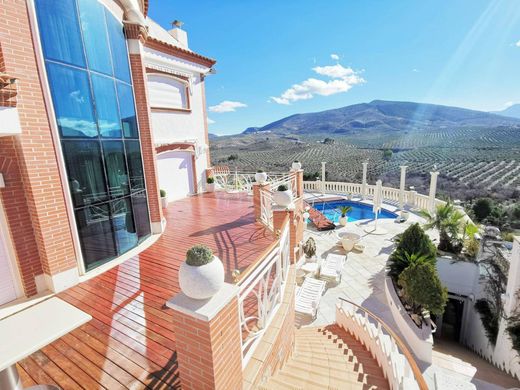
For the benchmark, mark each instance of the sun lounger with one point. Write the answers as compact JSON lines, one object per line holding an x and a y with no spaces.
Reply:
{"x":308,"y":296}
{"x":332,"y":267}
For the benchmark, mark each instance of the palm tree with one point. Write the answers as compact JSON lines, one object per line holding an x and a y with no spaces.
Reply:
{"x":447,"y":220}
{"x":344,"y":210}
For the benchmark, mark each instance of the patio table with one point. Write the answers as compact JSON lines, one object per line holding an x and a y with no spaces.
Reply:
{"x":31,"y":329}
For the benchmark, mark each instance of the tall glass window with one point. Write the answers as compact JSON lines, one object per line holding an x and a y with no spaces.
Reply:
{"x":88,"y":72}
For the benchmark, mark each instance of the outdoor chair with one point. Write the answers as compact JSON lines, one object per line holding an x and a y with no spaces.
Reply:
{"x":308,"y":296}
{"x":332,"y":268}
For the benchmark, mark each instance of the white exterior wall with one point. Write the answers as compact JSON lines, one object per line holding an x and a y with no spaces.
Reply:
{"x":182,"y":126}
{"x":502,"y":355}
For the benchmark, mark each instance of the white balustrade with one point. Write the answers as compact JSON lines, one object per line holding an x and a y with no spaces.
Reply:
{"x":266,"y":208}
{"x":392,"y":355}
{"x":261,"y":294}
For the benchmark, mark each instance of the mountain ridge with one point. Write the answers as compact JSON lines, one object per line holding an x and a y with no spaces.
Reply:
{"x":384,"y":115}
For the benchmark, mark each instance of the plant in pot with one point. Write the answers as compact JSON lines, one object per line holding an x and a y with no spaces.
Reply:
{"x":283,"y":196}
{"x":210,"y":184}
{"x":164,"y":199}
{"x":344,"y":210}
{"x":309,"y":248}
{"x":201,"y":275}
{"x":296,"y":165}
{"x":261,"y":176}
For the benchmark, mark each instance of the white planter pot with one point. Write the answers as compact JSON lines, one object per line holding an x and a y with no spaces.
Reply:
{"x":164,"y":202}
{"x":261,"y":177}
{"x":283,"y":198}
{"x":343,"y":221}
{"x":201,"y":282}
{"x":296,"y":166}
{"x":210,"y":187}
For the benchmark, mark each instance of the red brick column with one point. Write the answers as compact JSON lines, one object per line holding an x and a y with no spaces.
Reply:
{"x":296,"y":224}
{"x":257,"y":202}
{"x":299,"y":182}
{"x":33,"y":197}
{"x":136,"y":35}
{"x":208,"y":340}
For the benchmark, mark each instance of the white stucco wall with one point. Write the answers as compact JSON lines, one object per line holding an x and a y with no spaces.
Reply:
{"x":182,"y":126}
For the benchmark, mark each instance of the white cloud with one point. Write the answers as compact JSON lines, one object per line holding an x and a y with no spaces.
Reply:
{"x":509,"y":104}
{"x":335,"y":57}
{"x":343,"y":79}
{"x":210,"y":121}
{"x":415,"y":70}
{"x":517,"y":44}
{"x":227,"y":106}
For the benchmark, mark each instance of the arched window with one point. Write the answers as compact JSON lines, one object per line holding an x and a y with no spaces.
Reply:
{"x":88,"y":72}
{"x":167,"y":92}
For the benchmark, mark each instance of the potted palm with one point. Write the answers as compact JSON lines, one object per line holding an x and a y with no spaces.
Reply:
{"x":164,"y":199}
{"x":210,"y":184}
{"x":201,"y":275}
{"x":283,"y":196}
{"x":296,"y":165}
{"x":261,"y":176}
{"x":344,"y":210}
{"x":309,"y":248}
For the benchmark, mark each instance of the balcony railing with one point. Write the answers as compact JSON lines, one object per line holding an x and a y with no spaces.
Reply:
{"x":261,"y":292}
{"x":392,"y":355}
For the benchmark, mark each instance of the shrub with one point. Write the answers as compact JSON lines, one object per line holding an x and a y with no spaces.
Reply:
{"x":508,"y":236}
{"x":260,"y":171}
{"x":402,"y":260}
{"x":448,"y":221}
{"x":482,"y":208}
{"x":162,"y":193}
{"x":423,"y":289}
{"x":413,"y":241}
{"x":490,"y":319}
{"x":310,"y":247}
{"x":282,"y":187}
{"x":199,"y":255}
{"x":210,"y":180}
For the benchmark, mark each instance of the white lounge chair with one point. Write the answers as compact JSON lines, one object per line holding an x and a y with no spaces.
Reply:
{"x":308,"y":296}
{"x":332,"y":268}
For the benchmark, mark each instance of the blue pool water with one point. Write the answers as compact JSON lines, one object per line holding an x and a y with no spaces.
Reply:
{"x":359,"y":211}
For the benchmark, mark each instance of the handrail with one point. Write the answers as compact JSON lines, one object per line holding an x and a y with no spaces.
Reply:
{"x":249,"y":270}
{"x":400,"y":344}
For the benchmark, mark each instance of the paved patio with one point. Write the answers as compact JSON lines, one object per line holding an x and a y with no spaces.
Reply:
{"x":363,"y":281}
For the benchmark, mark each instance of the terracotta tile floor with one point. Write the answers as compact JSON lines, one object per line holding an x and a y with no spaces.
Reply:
{"x":130,"y":343}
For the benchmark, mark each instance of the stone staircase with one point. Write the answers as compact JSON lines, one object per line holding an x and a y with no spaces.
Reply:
{"x":328,"y":358}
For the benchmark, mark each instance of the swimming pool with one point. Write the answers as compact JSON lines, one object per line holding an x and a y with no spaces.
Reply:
{"x":359,"y":210}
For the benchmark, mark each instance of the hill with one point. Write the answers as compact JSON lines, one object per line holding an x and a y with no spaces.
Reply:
{"x":380,"y":115}
{"x":512,"y":111}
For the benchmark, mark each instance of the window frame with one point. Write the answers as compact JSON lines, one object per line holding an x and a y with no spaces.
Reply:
{"x":183,"y":80}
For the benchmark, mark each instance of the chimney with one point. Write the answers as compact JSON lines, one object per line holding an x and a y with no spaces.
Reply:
{"x":179,"y":34}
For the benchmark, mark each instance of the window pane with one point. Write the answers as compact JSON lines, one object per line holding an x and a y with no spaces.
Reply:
{"x":116,"y":168}
{"x":95,"y":234}
{"x":92,"y":16}
{"x":106,"y":106}
{"x":59,"y":30}
{"x":118,"y":46}
{"x":72,"y":101}
{"x":135,"y":165}
{"x":123,"y":224}
{"x":85,"y":172}
{"x":127,"y":110}
{"x":142,"y":220}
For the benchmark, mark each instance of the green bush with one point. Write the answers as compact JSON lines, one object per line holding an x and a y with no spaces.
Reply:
{"x":310,"y":247}
{"x":423,"y":289}
{"x":282,"y":187}
{"x":514,"y":333}
{"x":210,"y":180}
{"x":482,"y":208}
{"x":490,"y":319}
{"x":402,"y":260}
{"x":199,"y":255}
{"x":413,"y":241}
{"x":162,"y":193}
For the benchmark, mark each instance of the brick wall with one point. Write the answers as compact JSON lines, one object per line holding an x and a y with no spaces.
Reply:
{"x":209,"y":353}
{"x":34,"y":157}
{"x":147,"y":142}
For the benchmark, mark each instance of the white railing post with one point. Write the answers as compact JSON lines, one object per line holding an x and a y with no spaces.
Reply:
{"x":433,"y":190}
{"x":364,"y":182}
{"x":323,"y":178}
{"x":401,"y":186}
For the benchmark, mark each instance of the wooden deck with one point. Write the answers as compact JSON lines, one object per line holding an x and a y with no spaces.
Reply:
{"x":130,"y":342}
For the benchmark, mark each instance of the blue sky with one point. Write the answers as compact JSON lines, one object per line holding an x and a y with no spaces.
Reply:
{"x":339,"y":52}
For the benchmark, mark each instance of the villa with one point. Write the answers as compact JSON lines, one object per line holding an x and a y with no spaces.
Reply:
{"x":107,"y":189}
